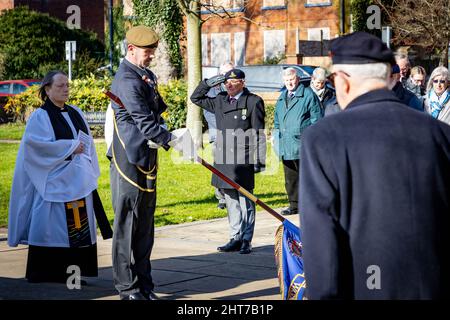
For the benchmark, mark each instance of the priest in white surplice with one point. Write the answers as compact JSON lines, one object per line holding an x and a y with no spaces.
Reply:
{"x":54,"y":193}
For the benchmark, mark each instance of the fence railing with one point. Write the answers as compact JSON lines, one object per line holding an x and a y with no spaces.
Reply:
{"x":95,"y":117}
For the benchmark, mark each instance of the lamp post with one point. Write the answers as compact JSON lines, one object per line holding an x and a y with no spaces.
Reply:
{"x":111,"y":35}
{"x":342,"y":24}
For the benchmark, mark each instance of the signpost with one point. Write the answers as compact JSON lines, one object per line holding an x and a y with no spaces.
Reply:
{"x":386,"y":35}
{"x":71,"y":48}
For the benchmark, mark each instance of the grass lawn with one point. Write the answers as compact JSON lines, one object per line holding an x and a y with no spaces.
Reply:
{"x":184,"y":190}
{"x":11,"y":131}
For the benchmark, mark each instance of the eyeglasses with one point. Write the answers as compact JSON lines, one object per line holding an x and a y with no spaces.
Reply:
{"x":333,"y":75}
{"x":233,"y":81}
{"x":439,"y":81}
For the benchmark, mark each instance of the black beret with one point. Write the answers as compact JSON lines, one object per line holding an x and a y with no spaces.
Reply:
{"x":235,"y":74}
{"x":360,"y":48}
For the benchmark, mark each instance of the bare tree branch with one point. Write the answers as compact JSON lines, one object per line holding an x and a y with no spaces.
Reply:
{"x":425,"y":23}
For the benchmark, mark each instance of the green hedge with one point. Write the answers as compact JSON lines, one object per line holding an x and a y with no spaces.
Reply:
{"x":174,"y":94}
{"x":88,"y":95}
{"x":270,"y":115}
{"x":31,"y":43}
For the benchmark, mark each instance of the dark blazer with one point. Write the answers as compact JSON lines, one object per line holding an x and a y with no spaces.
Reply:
{"x":141,"y":120}
{"x":328,"y":95}
{"x":240,"y":141}
{"x":407,"y":97}
{"x":375,"y":181}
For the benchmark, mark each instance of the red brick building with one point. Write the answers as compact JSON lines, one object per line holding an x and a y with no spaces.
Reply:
{"x":91,"y":12}
{"x":265,"y":28}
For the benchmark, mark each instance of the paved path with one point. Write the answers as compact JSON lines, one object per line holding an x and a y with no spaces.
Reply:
{"x":185,"y":265}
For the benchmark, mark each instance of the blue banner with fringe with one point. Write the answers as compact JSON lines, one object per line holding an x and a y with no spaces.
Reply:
{"x":288,"y":255}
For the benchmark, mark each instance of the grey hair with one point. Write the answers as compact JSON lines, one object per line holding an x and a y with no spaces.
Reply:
{"x":439,"y":71}
{"x":373,"y":71}
{"x":319,"y":74}
{"x":401,"y":56}
{"x":289,"y":71}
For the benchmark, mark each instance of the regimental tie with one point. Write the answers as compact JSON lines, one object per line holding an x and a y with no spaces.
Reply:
{"x":232,"y":100}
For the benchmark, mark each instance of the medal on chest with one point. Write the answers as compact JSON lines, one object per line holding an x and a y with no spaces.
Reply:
{"x":244,"y":114}
{"x":153,"y":85}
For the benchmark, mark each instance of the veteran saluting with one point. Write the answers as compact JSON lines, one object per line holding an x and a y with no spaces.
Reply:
{"x":133,"y":165}
{"x":240,"y":149}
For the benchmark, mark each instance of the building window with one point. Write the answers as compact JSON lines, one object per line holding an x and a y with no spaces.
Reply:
{"x":274,"y":4}
{"x":220,"y":48}
{"x":205,"y":60}
{"x":318,"y":3}
{"x":314,"y":34}
{"x":239,"y":48}
{"x":274,"y":43}
{"x":222,"y":5}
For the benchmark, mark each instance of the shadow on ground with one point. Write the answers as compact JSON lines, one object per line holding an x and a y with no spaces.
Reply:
{"x":221,"y":276}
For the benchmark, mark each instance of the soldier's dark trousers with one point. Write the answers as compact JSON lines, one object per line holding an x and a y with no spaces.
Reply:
{"x":291,"y":182}
{"x":133,"y":235}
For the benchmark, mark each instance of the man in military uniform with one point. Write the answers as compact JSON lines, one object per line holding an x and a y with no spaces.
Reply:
{"x":134,"y":165}
{"x":240,"y":149}
{"x":375,"y":181}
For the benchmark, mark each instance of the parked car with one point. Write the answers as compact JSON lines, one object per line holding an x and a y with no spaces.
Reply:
{"x":13,"y":87}
{"x":10,"y":88}
{"x":267,"y":78}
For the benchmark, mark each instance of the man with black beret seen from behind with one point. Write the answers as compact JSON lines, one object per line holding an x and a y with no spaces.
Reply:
{"x":375,"y":181}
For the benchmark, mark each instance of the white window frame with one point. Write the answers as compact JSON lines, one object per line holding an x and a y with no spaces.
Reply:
{"x":279,"y":32}
{"x":214,"y":37}
{"x":239,"y":48}
{"x":326,"y":33}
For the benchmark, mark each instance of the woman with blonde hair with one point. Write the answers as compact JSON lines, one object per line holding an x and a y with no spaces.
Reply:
{"x":437,"y":99}
{"x":416,"y":81}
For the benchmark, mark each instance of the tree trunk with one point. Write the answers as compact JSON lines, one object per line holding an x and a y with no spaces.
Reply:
{"x":161,"y":65}
{"x":194,"y":65}
{"x":443,"y":61}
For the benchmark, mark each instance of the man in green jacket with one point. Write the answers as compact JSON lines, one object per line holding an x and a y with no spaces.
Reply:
{"x":296,"y":109}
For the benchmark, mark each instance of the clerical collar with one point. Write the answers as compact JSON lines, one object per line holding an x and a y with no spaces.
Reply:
{"x":51,"y":104}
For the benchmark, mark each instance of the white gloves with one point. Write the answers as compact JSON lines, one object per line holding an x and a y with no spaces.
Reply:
{"x":183,"y":143}
{"x":153,"y":145}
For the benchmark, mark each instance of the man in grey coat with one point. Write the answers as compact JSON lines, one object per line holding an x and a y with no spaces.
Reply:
{"x":375,"y":182}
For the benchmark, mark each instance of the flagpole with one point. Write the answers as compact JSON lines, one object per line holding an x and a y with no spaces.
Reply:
{"x":232,"y":183}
